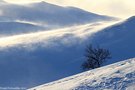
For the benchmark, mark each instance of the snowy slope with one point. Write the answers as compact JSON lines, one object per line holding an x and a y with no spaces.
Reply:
{"x":49,"y":14}
{"x":19,"y":27}
{"x":118,"y":38}
{"x":118,"y":76}
{"x":19,"y":19}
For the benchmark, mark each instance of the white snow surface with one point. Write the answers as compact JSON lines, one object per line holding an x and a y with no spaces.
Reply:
{"x":118,"y":76}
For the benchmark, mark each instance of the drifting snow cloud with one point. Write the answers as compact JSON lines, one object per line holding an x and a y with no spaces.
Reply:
{"x":65,"y":36}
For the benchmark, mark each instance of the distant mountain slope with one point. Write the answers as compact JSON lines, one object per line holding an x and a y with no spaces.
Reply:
{"x":50,"y":14}
{"x":118,"y":76}
{"x":13,"y":28}
{"x":119,"y":38}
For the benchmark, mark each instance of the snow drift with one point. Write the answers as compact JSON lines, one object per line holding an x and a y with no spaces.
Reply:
{"x":118,"y":76}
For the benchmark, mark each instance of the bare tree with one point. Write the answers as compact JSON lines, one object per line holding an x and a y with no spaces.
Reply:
{"x":95,"y":57}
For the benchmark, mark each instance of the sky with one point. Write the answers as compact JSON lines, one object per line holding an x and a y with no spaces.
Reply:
{"x":117,"y":8}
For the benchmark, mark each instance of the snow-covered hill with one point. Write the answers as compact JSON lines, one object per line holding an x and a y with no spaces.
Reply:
{"x":48,"y":14}
{"x":119,"y":39}
{"x":118,"y":76}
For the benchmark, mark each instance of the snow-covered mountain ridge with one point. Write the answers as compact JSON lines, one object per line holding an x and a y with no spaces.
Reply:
{"x":41,"y":16}
{"x":49,"y":14}
{"x":118,"y":76}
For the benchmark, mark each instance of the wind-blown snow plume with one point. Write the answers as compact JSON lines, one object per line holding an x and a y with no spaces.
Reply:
{"x":49,"y":36}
